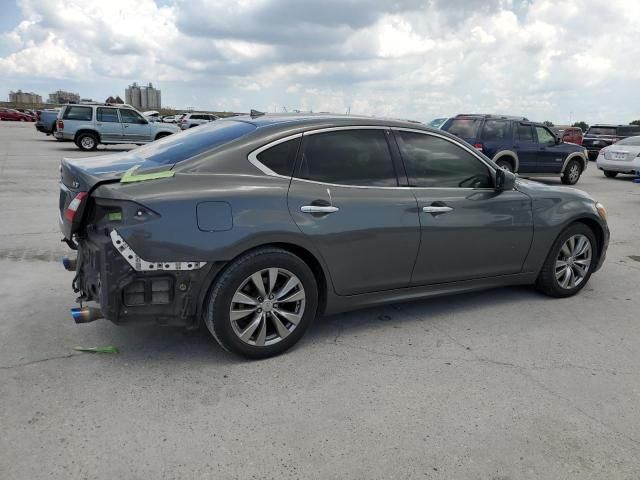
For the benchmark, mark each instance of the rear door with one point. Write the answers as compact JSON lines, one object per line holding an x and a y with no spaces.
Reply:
{"x":135,"y":127}
{"x":496,"y":136}
{"x":108,"y":123}
{"x":346,"y":197}
{"x":468,"y":229}
{"x":526,"y":147}
{"x":550,"y":154}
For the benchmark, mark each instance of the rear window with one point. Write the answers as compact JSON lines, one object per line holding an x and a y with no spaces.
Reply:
{"x":181,"y":146}
{"x":601,"y":131}
{"x":78,"y":113}
{"x":463,"y":127}
{"x":631,"y":141}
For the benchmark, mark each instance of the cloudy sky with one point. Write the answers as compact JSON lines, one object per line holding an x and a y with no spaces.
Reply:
{"x":556,"y":60}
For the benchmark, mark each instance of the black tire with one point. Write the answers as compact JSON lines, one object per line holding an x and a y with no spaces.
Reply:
{"x":572,"y":173}
{"x":217,"y":316}
{"x":162,"y":135}
{"x":547,"y":282}
{"x":610,"y":174}
{"x":87,"y":141}
{"x":506,"y":165}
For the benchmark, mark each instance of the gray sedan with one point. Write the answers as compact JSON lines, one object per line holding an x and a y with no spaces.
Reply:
{"x":256,"y":225}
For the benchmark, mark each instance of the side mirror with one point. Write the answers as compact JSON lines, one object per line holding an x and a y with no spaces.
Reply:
{"x":559,"y":140}
{"x":504,"y":180}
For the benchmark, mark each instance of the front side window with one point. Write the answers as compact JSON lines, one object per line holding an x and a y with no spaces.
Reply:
{"x":130,"y":116}
{"x":107,"y":115}
{"x":78,"y":113}
{"x":496,"y":131}
{"x":438,"y":163}
{"x":348,"y":157}
{"x":545,"y":136}
{"x":281,"y":157}
{"x":524,"y":133}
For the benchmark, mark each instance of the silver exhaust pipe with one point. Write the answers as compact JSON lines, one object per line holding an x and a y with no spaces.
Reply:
{"x":86,"y":314}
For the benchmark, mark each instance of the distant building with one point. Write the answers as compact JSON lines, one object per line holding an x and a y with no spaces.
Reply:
{"x":143,"y":97}
{"x":27,"y":98}
{"x":111,"y":99}
{"x":61,"y":96}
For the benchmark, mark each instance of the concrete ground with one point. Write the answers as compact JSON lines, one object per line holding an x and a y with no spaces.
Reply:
{"x":504,"y":384}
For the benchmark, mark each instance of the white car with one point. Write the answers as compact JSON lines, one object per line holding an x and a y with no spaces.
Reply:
{"x":621,"y":157}
{"x":191,"y":120}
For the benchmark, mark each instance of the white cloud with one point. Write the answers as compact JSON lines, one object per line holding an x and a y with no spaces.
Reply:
{"x":407,"y":58}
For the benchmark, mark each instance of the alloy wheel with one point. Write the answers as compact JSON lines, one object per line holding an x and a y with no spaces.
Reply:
{"x":573,"y":261}
{"x":87,"y":142}
{"x":574,"y":173}
{"x":267,"y":306}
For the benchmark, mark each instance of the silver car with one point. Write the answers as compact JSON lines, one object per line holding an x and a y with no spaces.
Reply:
{"x":90,"y":125}
{"x":621,"y":157}
{"x":191,"y":120}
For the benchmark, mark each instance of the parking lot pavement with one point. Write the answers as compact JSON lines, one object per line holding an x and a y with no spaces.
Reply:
{"x":499,"y":384}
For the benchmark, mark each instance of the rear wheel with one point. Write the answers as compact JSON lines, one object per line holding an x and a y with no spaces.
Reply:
{"x":87,"y":141}
{"x":610,"y":174}
{"x":505,"y":165}
{"x":570,"y":262}
{"x":263,"y":303}
{"x":572,"y":173}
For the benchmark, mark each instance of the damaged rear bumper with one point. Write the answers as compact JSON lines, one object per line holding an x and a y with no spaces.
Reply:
{"x":130,"y":290}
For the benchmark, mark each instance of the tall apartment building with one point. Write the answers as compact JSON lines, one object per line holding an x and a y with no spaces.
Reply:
{"x":143,"y":97}
{"x":27,"y":98}
{"x":61,"y":96}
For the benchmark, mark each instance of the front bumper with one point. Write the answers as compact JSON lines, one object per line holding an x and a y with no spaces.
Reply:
{"x":605,"y":246}
{"x":126,"y":296}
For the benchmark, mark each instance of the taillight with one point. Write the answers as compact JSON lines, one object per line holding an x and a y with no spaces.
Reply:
{"x":478,"y":146}
{"x":60,"y":125}
{"x":74,"y":205}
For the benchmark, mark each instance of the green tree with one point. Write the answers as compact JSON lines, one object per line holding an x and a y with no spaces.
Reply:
{"x":583,"y":125}
{"x":548,"y":123}
{"x":635,"y":122}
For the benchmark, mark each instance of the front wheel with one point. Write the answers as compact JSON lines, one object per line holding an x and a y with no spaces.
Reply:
{"x":610,"y":174}
{"x":505,"y":165}
{"x":263,"y":303}
{"x":572,"y":173}
{"x":570,"y":262}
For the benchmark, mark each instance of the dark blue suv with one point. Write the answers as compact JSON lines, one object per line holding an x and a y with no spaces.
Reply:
{"x":519,"y":145}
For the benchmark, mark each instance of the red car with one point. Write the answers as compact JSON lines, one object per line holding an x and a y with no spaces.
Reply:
{"x":568,"y":134}
{"x":10,"y":114}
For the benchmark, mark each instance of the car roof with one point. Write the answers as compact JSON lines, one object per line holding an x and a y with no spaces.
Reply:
{"x":322,"y":119}
{"x":490,"y":115}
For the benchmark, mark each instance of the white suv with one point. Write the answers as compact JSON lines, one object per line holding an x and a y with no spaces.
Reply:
{"x":190,"y":120}
{"x":90,"y":125}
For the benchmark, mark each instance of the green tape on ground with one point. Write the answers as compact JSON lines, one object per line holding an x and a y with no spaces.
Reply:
{"x":129,"y":176}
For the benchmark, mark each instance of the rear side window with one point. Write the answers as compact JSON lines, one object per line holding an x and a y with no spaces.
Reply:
{"x":281,"y":157}
{"x":191,"y":142}
{"x":348,"y":157}
{"x":601,"y":131}
{"x":78,"y":113}
{"x":463,"y":127}
{"x":524,"y":132}
{"x":438,"y":163}
{"x":496,"y":131}
{"x":107,"y":115}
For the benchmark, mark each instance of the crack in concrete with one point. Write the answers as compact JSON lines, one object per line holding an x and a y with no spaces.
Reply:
{"x":42,"y":360}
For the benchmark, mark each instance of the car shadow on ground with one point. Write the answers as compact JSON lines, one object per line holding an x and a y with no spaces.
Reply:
{"x":167,"y":345}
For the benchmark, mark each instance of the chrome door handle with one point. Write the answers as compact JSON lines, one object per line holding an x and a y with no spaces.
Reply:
{"x":436,"y":209}
{"x":318,"y":209}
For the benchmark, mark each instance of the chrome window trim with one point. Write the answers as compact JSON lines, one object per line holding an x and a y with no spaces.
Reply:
{"x":253,"y":157}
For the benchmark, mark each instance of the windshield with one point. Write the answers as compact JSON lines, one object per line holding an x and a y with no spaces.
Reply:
{"x":181,"y":146}
{"x":632,"y":141}
{"x":601,"y":131}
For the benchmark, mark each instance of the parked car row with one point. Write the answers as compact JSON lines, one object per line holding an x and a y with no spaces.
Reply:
{"x":10,"y":114}
{"x":599,"y":136}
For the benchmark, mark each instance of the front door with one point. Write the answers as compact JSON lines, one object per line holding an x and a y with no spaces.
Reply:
{"x":550,"y":154}
{"x":108,"y":124}
{"x":135,"y":127}
{"x":468,"y":229}
{"x":345,"y":197}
